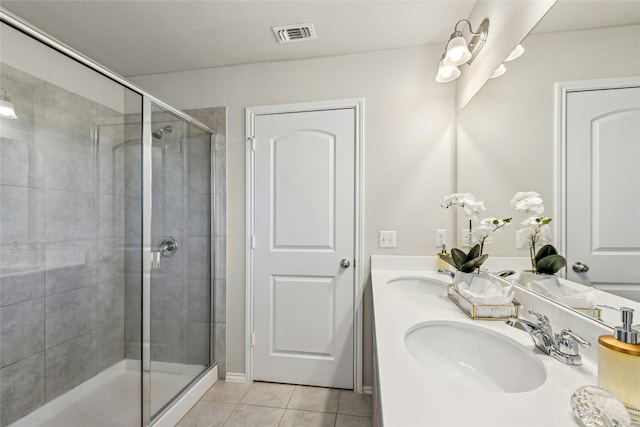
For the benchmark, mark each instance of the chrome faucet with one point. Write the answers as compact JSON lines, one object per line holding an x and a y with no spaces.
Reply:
{"x":562,"y":346}
{"x":449,"y":273}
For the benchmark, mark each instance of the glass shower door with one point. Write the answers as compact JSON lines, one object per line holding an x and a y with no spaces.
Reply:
{"x":179,"y":304}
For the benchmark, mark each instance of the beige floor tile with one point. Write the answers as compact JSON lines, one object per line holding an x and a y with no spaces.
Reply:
{"x":223,"y":391}
{"x":355,"y":404}
{"x":254,"y":416}
{"x":295,"y":418}
{"x":352,"y":421}
{"x":207,"y":414}
{"x":317,"y":399}
{"x":268,"y":394}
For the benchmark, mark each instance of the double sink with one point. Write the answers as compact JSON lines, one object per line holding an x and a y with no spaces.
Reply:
{"x":437,"y":367}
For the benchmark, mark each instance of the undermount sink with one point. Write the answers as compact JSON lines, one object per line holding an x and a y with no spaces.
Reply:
{"x":475,"y":356}
{"x":420,"y":285}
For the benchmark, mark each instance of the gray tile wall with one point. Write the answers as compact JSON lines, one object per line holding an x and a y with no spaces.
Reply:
{"x":216,"y":118}
{"x":62,"y":243}
{"x":181,"y":287}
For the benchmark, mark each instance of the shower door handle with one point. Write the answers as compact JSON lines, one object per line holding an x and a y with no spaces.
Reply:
{"x":168,"y":246}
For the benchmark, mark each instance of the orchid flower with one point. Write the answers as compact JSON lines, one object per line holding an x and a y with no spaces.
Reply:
{"x":529,"y":202}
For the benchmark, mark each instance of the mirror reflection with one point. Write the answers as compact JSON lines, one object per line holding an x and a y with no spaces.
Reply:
{"x":512,"y":136}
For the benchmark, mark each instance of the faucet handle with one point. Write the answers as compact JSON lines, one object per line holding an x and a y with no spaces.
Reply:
{"x":568,"y":342}
{"x":543,"y":321}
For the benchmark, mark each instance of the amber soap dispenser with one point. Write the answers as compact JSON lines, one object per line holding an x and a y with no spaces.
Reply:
{"x":619,"y":363}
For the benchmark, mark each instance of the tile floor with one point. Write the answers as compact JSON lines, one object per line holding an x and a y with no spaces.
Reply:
{"x":262,"y":404}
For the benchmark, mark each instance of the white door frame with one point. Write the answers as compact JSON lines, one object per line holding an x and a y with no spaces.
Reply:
{"x":357,"y":105}
{"x":562,"y":89}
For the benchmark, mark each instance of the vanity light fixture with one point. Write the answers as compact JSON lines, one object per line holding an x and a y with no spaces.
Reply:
{"x":459,"y":52}
{"x":6,"y":106}
{"x":515,"y":54}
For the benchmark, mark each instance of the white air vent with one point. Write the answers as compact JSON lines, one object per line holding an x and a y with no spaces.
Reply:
{"x":294,"y":33}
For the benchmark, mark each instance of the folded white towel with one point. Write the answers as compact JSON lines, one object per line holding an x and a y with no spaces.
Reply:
{"x":483,"y":289}
{"x":551,"y":287}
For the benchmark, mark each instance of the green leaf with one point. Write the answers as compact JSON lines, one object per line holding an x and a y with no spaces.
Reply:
{"x":448,"y":259}
{"x":551,"y":264}
{"x":469,"y":266}
{"x":474,"y":253}
{"x":458,"y":257}
{"x":545,"y":251}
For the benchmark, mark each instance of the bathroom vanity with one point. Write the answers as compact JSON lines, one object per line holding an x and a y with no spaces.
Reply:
{"x":434,"y":366}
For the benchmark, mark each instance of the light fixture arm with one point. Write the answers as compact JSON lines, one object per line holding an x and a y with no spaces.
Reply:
{"x":468,"y":24}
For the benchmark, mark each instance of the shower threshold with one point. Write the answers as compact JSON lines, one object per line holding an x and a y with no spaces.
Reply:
{"x":112,"y":397}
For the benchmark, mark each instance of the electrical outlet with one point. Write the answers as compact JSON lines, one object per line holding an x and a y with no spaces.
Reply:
{"x":441,"y":238}
{"x":386,"y":239}
{"x":466,"y":238}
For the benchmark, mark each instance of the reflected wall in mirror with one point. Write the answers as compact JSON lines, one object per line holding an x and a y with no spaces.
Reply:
{"x":507,"y":134}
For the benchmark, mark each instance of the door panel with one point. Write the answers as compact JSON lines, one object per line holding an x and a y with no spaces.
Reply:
{"x":312,"y":155}
{"x":304,"y":226}
{"x":603,"y":185}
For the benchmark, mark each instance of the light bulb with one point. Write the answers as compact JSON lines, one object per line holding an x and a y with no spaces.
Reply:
{"x":457,"y":51}
{"x":515,"y":53}
{"x":499,"y":71}
{"x":447,"y":73}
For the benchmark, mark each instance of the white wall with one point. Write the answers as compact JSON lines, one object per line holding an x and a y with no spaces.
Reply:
{"x":409,"y":146}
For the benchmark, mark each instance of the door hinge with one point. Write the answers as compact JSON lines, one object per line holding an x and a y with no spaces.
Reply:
{"x":253,"y":242}
{"x":252,"y":140}
{"x":253,"y":339}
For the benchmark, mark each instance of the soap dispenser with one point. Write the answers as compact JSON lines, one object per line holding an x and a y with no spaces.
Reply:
{"x":442,"y":264}
{"x":619,"y":363}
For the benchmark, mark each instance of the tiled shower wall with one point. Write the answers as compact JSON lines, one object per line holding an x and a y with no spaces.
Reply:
{"x":181,"y":286}
{"x":216,"y":118}
{"x":62,"y":243}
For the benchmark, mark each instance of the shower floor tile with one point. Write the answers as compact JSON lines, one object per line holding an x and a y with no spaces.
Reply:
{"x":278,"y":405}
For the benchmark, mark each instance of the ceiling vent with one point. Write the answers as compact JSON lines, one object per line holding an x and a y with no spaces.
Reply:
{"x":294,"y":33}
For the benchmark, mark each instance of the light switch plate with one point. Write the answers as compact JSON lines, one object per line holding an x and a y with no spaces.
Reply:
{"x":386,"y":239}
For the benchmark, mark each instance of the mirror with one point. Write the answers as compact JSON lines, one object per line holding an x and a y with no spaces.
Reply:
{"x":506,"y":134}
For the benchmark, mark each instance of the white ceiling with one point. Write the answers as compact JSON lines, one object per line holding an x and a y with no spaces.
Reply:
{"x":148,"y":36}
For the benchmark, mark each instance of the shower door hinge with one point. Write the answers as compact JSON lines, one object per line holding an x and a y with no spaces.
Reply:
{"x":253,"y":339}
{"x":252,"y":140}
{"x":155,"y":260}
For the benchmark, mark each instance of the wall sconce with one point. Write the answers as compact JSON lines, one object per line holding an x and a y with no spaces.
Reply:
{"x":458,"y":51}
{"x":6,"y":106}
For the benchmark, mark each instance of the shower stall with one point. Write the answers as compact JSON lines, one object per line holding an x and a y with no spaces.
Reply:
{"x":106,"y":302}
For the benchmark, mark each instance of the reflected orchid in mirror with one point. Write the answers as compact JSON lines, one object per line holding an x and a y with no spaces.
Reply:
{"x":528,"y":202}
{"x":535,"y":229}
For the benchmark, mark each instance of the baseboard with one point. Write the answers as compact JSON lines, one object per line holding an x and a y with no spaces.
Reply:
{"x":233,"y":377}
{"x":367,"y":389}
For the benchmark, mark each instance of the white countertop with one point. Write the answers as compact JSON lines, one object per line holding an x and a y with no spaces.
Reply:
{"x":412,"y":395}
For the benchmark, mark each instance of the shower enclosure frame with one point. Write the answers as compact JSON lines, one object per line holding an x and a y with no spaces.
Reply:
{"x":148,"y":100}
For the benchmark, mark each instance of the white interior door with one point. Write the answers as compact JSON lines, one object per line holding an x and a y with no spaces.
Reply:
{"x":303,"y":259}
{"x":603,"y":185}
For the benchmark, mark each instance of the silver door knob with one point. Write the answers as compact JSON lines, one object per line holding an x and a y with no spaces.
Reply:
{"x":579,"y":267}
{"x":345,"y":263}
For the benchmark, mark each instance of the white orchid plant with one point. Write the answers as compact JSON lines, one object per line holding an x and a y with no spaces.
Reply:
{"x":487,"y":226}
{"x":536,"y":230}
